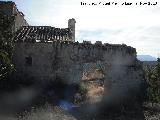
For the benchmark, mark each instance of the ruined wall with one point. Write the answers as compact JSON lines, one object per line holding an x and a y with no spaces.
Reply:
{"x":6,"y":7}
{"x":69,"y":61}
{"x":9,"y":8}
{"x":19,"y":21}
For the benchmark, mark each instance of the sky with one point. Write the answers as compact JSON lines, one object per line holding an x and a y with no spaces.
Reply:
{"x":135,"y":25}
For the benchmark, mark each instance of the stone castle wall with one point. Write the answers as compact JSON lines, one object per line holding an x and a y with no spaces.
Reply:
{"x":73,"y":62}
{"x":66,"y":59}
{"x":68,"y":62}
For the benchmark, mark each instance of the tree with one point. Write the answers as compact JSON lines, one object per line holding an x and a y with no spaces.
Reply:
{"x":6,"y":45}
{"x":153,"y":82}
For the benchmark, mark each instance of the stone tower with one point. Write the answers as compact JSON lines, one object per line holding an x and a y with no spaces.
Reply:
{"x":71,"y":26}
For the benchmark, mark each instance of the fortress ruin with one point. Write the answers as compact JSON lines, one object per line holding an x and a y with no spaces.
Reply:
{"x":46,"y":53}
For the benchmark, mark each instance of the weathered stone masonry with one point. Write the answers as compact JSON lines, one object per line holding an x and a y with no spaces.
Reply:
{"x":9,"y":8}
{"x":44,"y":53}
{"x":67,"y":61}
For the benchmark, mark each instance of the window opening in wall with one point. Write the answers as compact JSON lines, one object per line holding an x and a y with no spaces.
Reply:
{"x":28,"y":61}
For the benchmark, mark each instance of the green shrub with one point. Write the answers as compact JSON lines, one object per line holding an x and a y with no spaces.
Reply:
{"x":83,"y":89}
{"x":153,"y":83}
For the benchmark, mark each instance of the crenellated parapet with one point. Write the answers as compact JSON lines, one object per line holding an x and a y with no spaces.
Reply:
{"x":88,"y":52}
{"x":52,"y":39}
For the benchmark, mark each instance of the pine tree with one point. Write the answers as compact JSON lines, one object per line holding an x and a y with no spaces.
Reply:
{"x":153,"y":81}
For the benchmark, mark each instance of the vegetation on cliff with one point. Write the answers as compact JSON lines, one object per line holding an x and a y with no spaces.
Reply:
{"x":153,"y":83}
{"x":6,"y":46}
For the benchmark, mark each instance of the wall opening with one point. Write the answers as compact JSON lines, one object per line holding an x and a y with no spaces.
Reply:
{"x":28,"y":61}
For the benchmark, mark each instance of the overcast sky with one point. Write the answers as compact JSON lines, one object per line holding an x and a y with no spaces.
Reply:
{"x":135,"y":25}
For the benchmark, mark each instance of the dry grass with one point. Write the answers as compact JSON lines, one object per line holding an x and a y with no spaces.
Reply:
{"x":47,"y":112}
